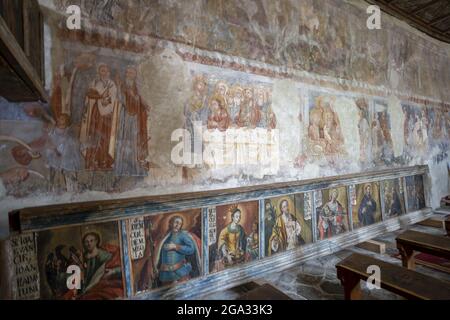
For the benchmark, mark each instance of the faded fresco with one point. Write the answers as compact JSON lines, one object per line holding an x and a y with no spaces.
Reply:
{"x":382,"y":144}
{"x":394,"y":198}
{"x":324,"y":131}
{"x":287,"y":222}
{"x":237,"y":236}
{"x":166,"y":249}
{"x":416,"y":128}
{"x":95,"y":249}
{"x":232,"y":118}
{"x":415,"y":193}
{"x":331,"y":212}
{"x":282,"y":90}
{"x":366,"y":210}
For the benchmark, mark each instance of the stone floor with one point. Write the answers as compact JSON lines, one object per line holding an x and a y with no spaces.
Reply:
{"x":316,"y":279}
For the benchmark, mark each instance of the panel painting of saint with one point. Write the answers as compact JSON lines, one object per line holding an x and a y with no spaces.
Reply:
{"x":95,"y":249}
{"x":367,"y":209}
{"x":237,"y":236}
{"x":287,"y":223}
{"x":394,"y":198}
{"x":415,"y":193}
{"x":165,"y":249}
{"x":332,"y":213}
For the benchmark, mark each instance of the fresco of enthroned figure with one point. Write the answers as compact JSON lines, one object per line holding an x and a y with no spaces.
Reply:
{"x":324,"y":130}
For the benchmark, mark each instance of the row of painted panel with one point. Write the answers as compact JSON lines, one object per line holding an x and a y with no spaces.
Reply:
{"x":149,"y":252}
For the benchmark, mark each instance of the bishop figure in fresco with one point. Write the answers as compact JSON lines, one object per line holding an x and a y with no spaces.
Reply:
{"x":99,"y":123}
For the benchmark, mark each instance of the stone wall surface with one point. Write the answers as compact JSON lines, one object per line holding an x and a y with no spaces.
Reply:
{"x":279,"y":90}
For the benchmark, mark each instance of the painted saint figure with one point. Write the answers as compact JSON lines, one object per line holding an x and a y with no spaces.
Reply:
{"x":286,"y":233}
{"x":132,"y":133}
{"x":269,"y":223}
{"x":331,"y":217}
{"x":393,"y":202}
{"x":249,"y":115}
{"x":231,"y":243}
{"x":219,"y":117}
{"x":63,"y":156}
{"x":100,"y":268}
{"x":177,"y":257}
{"x":99,"y":124}
{"x":252,"y":246}
{"x":367,"y":208}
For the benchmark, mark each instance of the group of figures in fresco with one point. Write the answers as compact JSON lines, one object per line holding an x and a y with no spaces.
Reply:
{"x":95,"y":136}
{"x":101,"y":128}
{"x":221,"y":105}
{"x":96,"y":127}
{"x":325,"y":137}
{"x":168,"y":248}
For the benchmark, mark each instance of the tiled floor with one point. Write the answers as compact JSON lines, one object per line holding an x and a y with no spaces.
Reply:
{"x":316,"y":279}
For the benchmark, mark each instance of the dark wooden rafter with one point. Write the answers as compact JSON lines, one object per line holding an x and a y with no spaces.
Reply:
{"x":439,"y":19}
{"x":21,"y":51}
{"x":424,"y":6}
{"x":393,"y":8}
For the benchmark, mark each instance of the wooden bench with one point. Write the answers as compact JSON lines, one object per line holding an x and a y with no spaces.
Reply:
{"x":404,"y":282}
{"x":264,"y":292}
{"x":447,"y":225}
{"x":410,"y":241}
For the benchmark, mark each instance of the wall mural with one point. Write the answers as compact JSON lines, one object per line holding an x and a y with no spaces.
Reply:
{"x":382,"y":144}
{"x":288,"y":222}
{"x":165,"y":249}
{"x":324,"y":131}
{"x":95,"y":249}
{"x":95,"y":135}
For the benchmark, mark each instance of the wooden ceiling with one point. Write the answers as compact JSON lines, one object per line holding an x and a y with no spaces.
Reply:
{"x":429,"y":16}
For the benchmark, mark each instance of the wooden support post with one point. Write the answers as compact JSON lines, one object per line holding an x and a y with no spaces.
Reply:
{"x":407,"y":256}
{"x":373,"y":245}
{"x":351,"y":283}
{"x":447,"y":225}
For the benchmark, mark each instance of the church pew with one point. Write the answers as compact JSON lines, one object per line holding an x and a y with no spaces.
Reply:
{"x":410,"y":241}
{"x":447,"y":225}
{"x":406,"y":283}
{"x":264,"y":292}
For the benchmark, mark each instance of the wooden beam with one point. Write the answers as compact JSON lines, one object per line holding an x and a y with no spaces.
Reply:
{"x":373,"y":246}
{"x":432,"y":222}
{"x":18,"y":61}
{"x":47,"y":217}
{"x":424,"y":6}
{"x":413,"y":20}
{"x":439,"y":19}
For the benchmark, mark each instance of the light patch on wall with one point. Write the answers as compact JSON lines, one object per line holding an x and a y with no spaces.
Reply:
{"x":286,"y":105}
{"x":397,"y":120}
{"x":165,"y":85}
{"x":439,"y":185}
{"x":347,"y":112}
